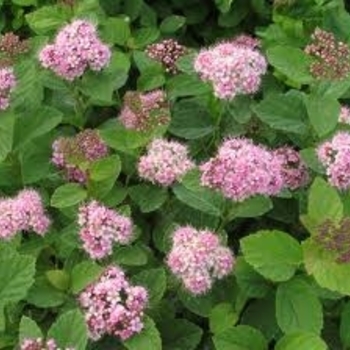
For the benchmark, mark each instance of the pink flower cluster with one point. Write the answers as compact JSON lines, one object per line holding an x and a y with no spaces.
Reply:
{"x":40,"y":344}
{"x":344,"y":116}
{"x":334,"y":154}
{"x":234,"y":68}
{"x":25,"y":212}
{"x":76,"y":48}
{"x":294,"y":171}
{"x":100,"y":227}
{"x":73,"y":155}
{"x":113,"y":306}
{"x":7,"y":85}
{"x":143,"y":112}
{"x":242,"y":169}
{"x":165,"y":162}
{"x":198,"y":259}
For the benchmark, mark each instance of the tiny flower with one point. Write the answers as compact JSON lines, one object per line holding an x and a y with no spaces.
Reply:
{"x":41,"y":344}
{"x":11,"y":45}
{"x":165,"y":162}
{"x":344,"y":116}
{"x":166,"y":52}
{"x":113,"y":306}
{"x":101,"y":227}
{"x":7,"y":85}
{"x":144,"y":111}
{"x":76,"y":48}
{"x":197,"y":258}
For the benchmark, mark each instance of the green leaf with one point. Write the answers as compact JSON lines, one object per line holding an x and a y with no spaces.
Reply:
{"x":68,"y":195}
{"x":83,"y":274}
{"x":222,"y":317}
{"x":172,"y":23}
{"x":344,"y":325}
{"x":25,"y":2}
{"x":309,"y":156}
{"x":284,"y":112}
{"x":323,"y":112}
{"x":59,"y":279}
{"x":224,"y":5}
{"x":133,"y":8}
{"x":292,"y":62}
{"x":145,"y":36}
{"x":190,"y":120}
{"x":298,"y":308}
{"x":16,"y":276}
{"x":7,"y":122}
{"x":301,"y":341}
{"x":320,"y":210}
{"x":327,"y":272}
{"x":150,"y":79}
{"x":148,"y":339}
{"x":180,"y":334}
{"x":148,"y":197}
{"x":251,"y":207}
{"x":70,"y":330}
{"x":274,"y":254}
{"x":116,"y":30}
{"x":28,"y":329}
{"x":132,"y":255}
{"x":105,"y":168}
{"x":154,"y":280}
{"x":240,"y":338}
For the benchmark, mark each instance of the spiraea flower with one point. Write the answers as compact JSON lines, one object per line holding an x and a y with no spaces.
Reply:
{"x":334,"y":155}
{"x":165,"y":162}
{"x":242,"y":169}
{"x":113,"y":306}
{"x":11,"y":45}
{"x":24,"y":212}
{"x":335,"y":238}
{"x":41,"y":344}
{"x":101,"y":228}
{"x":197,"y":258}
{"x":7,"y":85}
{"x":344,"y":116}
{"x":76,"y":48}
{"x":144,"y":111}
{"x":293,"y":169}
{"x":233,"y":68}
{"x":167,"y":52}
{"x":74,"y":155}
{"x":331,"y":57}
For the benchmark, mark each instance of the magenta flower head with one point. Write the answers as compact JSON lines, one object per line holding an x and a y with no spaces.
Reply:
{"x":113,"y":306}
{"x":7,"y":85}
{"x":293,"y":170}
{"x":197,"y":258}
{"x":242,"y":169}
{"x":165,"y":162}
{"x":101,"y":227}
{"x":41,"y":344}
{"x":144,"y":111}
{"x":233,"y":68}
{"x":74,"y":155}
{"x":25,"y":212}
{"x":334,"y":155}
{"x":76,"y":48}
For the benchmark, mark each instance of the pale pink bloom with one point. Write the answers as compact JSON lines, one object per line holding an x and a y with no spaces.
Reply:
{"x":165,"y":162}
{"x":101,"y":228}
{"x":197,"y":258}
{"x":344,"y":116}
{"x":112,"y":306}
{"x":7,"y":85}
{"x":41,"y":344}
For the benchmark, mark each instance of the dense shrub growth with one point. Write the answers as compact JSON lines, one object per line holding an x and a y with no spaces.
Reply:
{"x":174,"y":174}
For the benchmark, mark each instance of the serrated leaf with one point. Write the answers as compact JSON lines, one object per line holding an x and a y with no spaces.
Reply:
{"x":172,"y":23}
{"x":116,"y":30}
{"x":108,"y":167}
{"x":68,"y":195}
{"x":132,"y":255}
{"x":274,"y":254}
{"x":83,"y":274}
{"x":222,"y":317}
{"x":28,"y":329}
{"x":301,"y":341}
{"x":58,"y":278}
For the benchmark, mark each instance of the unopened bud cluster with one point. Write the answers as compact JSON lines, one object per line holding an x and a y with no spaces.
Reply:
{"x":41,"y":344}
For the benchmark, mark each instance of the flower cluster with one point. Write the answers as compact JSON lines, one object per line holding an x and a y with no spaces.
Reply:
{"x":344,"y":116}
{"x":11,"y":45}
{"x":335,"y":238}
{"x":234,"y":68}
{"x":245,"y":40}
{"x":293,"y":170}
{"x":73,"y":155}
{"x":144,"y":111}
{"x":165,"y":162}
{"x":100,"y":227}
{"x":7,"y":85}
{"x":332,"y":57}
{"x":241,"y":170}
{"x":25,"y":212}
{"x":198,"y":259}
{"x":76,"y":48}
{"x":41,"y":344}
{"x":113,"y":306}
{"x":167,"y":52}
{"x":334,"y":154}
